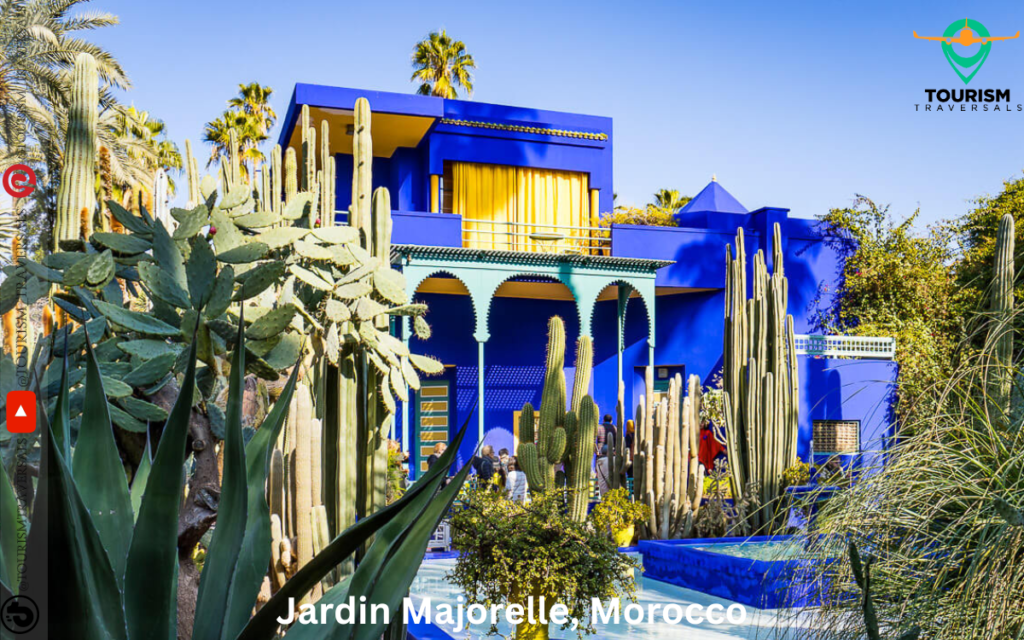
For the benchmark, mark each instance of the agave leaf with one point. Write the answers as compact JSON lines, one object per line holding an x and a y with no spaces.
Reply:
{"x":82,"y":584}
{"x":128,"y":220}
{"x":151,"y":577}
{"x":121,"y":243}
{"x":264,"y":625}
{"x":62,"y":410}
{"x":12,"y":545}
{"x":219,"y":571}
{"x":254,"y":555}
{"x":396,"y":571}
{"x":141,"y":476}
{"x":98,"y":473}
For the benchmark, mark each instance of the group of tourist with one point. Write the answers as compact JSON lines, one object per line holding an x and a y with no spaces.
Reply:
{"x":503,"y":473}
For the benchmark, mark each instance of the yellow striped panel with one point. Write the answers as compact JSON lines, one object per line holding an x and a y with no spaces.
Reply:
{"x":440,"y":391}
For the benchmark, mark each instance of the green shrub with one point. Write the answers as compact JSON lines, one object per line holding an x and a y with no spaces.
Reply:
{"x":509,"y":547}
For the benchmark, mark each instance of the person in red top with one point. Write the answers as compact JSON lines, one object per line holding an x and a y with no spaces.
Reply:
{"x":712,"y":445}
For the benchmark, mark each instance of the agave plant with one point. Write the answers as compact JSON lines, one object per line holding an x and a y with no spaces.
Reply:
{"x":113,"y":564}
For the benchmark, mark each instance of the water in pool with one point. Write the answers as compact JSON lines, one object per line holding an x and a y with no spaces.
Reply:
{"x":430,"y":582}
{"x":772,"y":550}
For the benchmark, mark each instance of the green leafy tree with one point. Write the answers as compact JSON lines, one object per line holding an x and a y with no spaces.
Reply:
{"x":895,"y":282}
{"x":442,"y":66}
{"x":975,"y":236}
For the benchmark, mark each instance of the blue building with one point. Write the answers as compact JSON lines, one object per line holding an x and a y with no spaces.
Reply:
{"x":495,"y":216}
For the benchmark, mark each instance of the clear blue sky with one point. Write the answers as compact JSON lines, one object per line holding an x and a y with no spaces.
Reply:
{"x":791,"y":104}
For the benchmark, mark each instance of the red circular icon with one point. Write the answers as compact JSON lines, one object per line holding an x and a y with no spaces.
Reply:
{"x":19,"y":180}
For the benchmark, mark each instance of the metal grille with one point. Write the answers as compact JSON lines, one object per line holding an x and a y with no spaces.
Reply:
{"x":846,"y":346}
{"x":837,"y":436}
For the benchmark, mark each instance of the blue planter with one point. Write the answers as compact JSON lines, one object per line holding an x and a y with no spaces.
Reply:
{"x":762,"y":584}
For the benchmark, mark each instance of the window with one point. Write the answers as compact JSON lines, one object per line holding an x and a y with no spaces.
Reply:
{"x":836,"y":436}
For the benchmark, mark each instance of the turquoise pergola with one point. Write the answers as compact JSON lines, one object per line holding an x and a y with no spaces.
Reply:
{"x":482,"y":272}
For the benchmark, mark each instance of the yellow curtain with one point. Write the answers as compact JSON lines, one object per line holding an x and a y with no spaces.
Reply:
{"x":485,"y":196}
{"x":549,"y":203}
{"x":521,"y":209}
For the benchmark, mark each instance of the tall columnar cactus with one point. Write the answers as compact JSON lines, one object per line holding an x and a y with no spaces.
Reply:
{"x":192,"y":173}
{"x":362,"y":182}
{"x":561,"y":437}
{"x":1001,"y":333}
{"x":761,"y":397}
{"x":667,"y":475}
{"x":76,"y":197}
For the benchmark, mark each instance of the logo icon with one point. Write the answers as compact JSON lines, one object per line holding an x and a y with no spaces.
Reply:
{"x":21,"y":411}
{"x":19,"y":180}
{"x":19,"y":614}
{"x":962,"y":33}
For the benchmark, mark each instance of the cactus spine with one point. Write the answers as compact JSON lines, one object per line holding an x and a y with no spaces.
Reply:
{"x":1001,"y":333}
{"x":562,"y":437}
{"x":76,"y":197}
{"x":759,"y":377}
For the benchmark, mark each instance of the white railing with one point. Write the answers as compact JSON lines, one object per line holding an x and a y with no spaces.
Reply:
{"x":539,"y":238}
{"x":846,"y":346}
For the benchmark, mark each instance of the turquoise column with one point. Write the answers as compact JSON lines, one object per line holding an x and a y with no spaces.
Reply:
{"x":623,"y":299}
{"x":405,"y":405}
{"x":481,"y":340}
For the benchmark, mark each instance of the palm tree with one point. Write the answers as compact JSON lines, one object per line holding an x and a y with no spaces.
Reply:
{"x":249,"y":137}
{"x":38,"y":46}
{"x":146,"y":143}
{"x":669,"y":199}
{"x":252,"y":118}
{"x":254,"y":100}
{"x":442,"y":66}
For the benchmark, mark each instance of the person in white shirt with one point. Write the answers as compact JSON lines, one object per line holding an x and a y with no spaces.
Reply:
{"x":515,"y":485}
{"x":601,"y":469}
